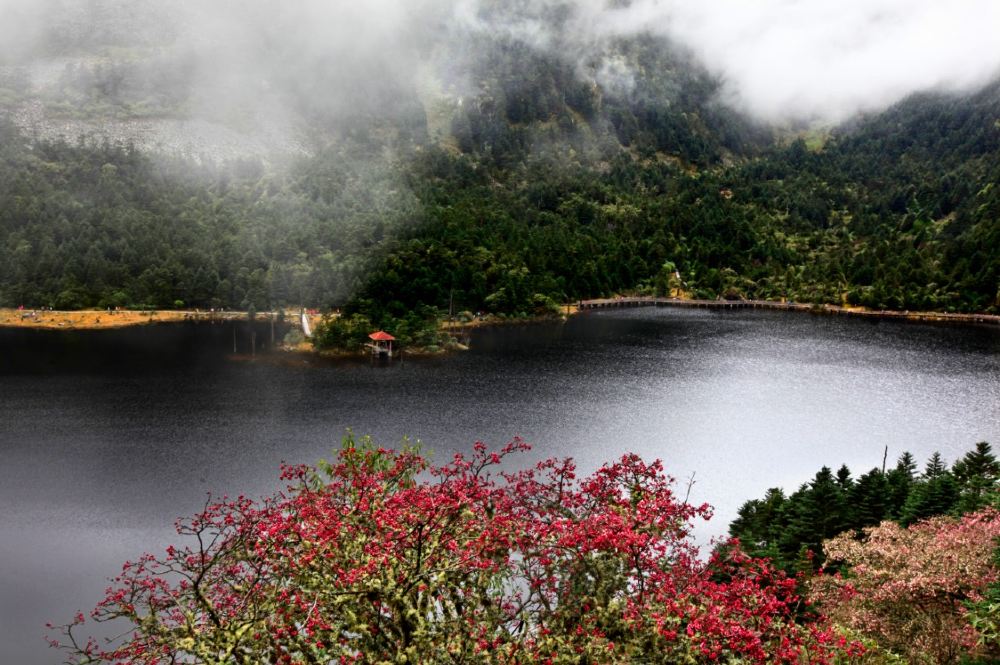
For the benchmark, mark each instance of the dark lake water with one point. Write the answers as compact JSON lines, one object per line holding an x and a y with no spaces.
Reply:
{"x":107,"y":437}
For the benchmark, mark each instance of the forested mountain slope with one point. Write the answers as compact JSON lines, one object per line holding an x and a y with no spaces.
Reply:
{"x":538,"y":178}
{"x":896,"y":211}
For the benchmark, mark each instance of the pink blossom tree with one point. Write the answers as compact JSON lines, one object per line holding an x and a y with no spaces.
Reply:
{"x":907,"y":588}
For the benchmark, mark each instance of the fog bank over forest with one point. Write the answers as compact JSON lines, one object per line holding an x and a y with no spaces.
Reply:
{"x":231,"y":78}
{"x":399,"y":159}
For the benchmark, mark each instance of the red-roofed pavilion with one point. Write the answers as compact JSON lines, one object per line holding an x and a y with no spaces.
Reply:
{"x":381,"y":343}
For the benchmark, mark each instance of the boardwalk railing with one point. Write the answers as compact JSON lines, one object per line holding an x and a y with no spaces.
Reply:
{"x":649,"y":301}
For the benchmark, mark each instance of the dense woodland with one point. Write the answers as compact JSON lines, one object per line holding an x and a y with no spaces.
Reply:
{"x":790,"y":529}
{"x":906,"y":558}
{"x":544,"y":188}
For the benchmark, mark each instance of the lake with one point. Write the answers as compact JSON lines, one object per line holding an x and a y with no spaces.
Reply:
{"x":108,"y":436}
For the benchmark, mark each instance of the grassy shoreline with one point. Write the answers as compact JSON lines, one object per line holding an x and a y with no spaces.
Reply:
{"x":102,"y":319}
{"x":44,"y":319}
{"x":304,"y":354}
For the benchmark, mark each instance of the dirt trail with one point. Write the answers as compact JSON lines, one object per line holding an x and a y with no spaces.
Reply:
{"x":101,"y":319}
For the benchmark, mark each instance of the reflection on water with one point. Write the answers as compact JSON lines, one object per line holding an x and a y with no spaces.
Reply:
{"x":107,"y":437}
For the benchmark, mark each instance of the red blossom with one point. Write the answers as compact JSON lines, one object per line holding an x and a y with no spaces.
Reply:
{"x":380,"y":556}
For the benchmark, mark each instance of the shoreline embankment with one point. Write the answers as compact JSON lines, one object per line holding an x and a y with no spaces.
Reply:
{"x":46,"y":319}
{"x":834,"y":310}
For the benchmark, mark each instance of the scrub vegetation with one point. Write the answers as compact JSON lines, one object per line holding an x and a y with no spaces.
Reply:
{"x":379,"y":556}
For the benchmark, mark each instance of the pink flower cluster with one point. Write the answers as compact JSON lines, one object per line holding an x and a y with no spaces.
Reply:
{"x":907,"y":588}
{"x":380,"y":556}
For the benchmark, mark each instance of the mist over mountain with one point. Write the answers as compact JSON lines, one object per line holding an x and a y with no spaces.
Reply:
{"x":400,"y":156}
{"x":273,"y":74}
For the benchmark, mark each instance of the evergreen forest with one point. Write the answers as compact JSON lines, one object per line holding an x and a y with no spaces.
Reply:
{"x":790,"y":529}
{"x":540,"y":189}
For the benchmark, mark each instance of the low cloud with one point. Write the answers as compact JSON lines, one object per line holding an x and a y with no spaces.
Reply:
{"x":777,"y":59}
{"x":785,"y":59}
{"x":815,"y":59}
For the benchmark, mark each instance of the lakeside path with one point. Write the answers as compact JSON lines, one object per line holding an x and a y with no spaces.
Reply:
{"x":646,"y":301}
{"x":103,"y":319}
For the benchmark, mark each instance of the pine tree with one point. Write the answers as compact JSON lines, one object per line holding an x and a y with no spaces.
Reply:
{"x":870,"y":498}
{"x":907,"y":464}
{"x":936,"y":466}
{"x":760,"y":523}
{"x":844,"y":479}
{"x":978,"y":462}
{"x":976,"y":474}
{"x":937,"y":493}
{"x":819,"y":512}
{"x":845,"y":484}
{"x":899,"y":482}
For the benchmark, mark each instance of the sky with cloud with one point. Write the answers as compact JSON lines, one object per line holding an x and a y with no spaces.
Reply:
{"x":778,"y":59}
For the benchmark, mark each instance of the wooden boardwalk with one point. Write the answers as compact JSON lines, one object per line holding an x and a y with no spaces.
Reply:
{"x":649,"y":301}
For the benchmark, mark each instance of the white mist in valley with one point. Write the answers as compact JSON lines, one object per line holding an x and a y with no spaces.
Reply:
{"x":259,"y":76}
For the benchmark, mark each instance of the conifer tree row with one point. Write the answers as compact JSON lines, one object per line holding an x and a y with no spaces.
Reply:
{"x":790,"y":529}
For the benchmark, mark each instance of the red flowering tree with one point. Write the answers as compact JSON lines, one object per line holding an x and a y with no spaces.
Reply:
{"x":379,"y":557}
{"x":908,"y":588}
